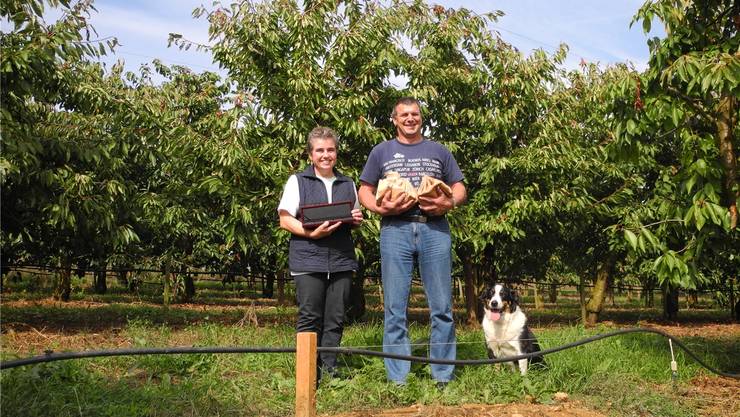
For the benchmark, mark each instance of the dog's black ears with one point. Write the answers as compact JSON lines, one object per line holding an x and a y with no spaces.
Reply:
{"x":485,"y":294}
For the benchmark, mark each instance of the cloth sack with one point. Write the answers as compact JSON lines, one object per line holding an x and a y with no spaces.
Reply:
{"x":431,"y":187}
{"x":397,"y":186}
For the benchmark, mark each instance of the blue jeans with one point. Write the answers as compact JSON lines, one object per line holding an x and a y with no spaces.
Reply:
{"x":401,"y":243}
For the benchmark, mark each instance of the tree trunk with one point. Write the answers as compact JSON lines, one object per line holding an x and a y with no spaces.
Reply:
{"x":99,"y":281}
{"x":167,"y":285}
{"x":122,"y":277}
{"x":553,"y":293}
{"x":692,"y":299}
{"x":670,"y":302}
{"x":539,"y":301}
{"x":598,"y":293}
{"x":4,"y":261}
{"x":282,"y":276}
{"x":189,"y":284}
{"x":734,"y":308}
{"x":268,"y":289}
{"x":727,"y":156}
{"x":610,"y":295}
{"x":381,"y":297}
{"x":471,"y":290}
{"x":460,"y":288}
{"x":647,"y":295}
{"x":64,"y":285}
{"x":356,"y":307}
{"x":582,"y":296}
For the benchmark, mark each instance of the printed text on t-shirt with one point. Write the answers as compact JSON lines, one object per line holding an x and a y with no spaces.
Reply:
{"x":414,"y":169}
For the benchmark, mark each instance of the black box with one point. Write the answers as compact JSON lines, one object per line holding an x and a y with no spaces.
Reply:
{"x":313,"y":215}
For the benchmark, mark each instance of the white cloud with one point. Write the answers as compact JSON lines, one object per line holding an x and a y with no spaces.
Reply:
{"x":124,"y":22}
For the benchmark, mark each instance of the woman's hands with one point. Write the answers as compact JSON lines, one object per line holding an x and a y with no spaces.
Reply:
{"x":357,"y":217}
{"x":324,"y":229}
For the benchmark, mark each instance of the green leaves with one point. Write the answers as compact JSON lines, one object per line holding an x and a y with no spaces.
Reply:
{"x":689,"y":74}
{"x":576,"y":165}
{"x":631,"y":238}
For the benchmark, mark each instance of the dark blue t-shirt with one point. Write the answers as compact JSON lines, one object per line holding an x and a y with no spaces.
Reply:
{"x":411,"y":162}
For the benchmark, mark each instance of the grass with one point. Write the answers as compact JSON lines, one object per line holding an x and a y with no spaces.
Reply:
{"x":615,"y":369}
{"x":625,"y":376}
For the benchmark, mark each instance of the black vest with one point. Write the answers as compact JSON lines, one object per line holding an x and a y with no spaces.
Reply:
{"x":333,"y":253}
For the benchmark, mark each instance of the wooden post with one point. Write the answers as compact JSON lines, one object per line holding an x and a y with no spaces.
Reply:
{"x":305,"y":375}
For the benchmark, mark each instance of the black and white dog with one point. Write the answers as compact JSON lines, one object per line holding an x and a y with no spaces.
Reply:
{"x":505,"y":327}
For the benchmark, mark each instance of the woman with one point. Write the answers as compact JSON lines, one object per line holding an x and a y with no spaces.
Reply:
{"x":321,"y":259}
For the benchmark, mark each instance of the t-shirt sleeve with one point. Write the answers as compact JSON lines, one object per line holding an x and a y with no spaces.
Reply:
{"x":291,"y":197}
{"x":454,"y":174}
{"x":371,"y":173}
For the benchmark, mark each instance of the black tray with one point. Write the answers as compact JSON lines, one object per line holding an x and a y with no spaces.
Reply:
{"x":313,"y":215}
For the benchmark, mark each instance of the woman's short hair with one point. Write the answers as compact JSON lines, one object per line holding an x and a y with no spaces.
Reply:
{"x":321,"y":132}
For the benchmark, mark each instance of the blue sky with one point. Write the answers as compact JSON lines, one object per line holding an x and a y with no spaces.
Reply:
{"x":595,"y":30}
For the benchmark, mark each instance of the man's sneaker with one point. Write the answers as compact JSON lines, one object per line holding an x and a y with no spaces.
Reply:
{"x":441,"y":385}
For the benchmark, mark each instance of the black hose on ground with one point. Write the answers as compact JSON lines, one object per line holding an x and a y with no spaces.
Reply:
{"x":52,"y":357}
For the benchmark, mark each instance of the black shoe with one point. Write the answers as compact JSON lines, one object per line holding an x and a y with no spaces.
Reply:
{"x":329,"y":372}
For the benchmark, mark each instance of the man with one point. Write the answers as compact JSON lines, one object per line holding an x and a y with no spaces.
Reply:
{"x":412,"y":231}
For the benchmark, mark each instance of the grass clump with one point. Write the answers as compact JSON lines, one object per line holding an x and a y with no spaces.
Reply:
{"x":612,"y":374}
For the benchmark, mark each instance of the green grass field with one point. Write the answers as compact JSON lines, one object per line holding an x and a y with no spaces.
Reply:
{"x":627,"y":375}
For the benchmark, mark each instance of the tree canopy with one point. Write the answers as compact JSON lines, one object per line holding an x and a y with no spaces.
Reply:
{"x":605,"y":172}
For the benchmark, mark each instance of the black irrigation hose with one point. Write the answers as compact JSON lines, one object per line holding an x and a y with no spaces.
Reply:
{"x":51,"y":357}
{"x":464,"y":362}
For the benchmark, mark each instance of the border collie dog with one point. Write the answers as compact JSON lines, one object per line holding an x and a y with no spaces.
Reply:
{"x":505,"y":327}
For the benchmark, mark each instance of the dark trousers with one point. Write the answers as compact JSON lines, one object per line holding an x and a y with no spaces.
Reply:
{"x":321,"y":300}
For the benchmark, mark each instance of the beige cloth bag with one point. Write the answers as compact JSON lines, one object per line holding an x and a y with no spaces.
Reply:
{"x":397,"y":186}
{"x":431,"y":187}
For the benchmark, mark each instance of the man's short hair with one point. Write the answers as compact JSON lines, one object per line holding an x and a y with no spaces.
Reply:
{"x":407,"y":101}
{"x":321,"y":132}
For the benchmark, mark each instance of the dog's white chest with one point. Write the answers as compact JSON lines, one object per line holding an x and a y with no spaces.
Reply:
{"x":502,"y":336}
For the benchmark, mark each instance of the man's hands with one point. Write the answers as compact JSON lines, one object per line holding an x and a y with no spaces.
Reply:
{"x":436,"y":206}
{"x":433,"y":206}
{"x":390,"y":207}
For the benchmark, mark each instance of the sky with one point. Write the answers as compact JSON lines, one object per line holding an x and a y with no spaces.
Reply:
{"x":595,"y":30}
